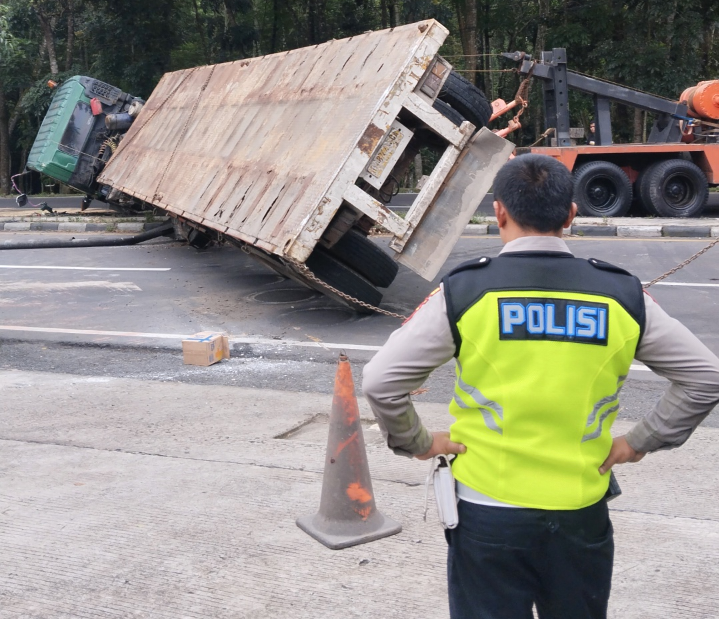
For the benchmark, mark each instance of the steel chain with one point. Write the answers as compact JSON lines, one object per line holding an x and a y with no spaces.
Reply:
{"x":310,"y":275}
{"x":305,"y":270}
{"x":681,"y":265}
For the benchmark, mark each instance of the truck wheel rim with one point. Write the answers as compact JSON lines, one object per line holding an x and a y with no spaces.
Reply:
{"x":678,"y":191}
{"x":602,"y":193}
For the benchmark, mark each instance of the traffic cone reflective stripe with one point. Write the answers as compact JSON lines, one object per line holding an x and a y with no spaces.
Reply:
{"x":348,"y":514}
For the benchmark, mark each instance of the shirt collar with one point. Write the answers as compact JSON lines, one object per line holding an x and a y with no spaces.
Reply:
{"x":536,"y":243}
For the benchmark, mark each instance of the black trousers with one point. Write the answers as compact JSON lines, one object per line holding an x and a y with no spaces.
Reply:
{"x":502,"y":561}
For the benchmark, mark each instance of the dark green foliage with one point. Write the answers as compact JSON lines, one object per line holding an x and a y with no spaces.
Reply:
{"x":661,"y":46}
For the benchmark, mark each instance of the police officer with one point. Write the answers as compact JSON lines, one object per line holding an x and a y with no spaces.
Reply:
{"x":542,"y":342}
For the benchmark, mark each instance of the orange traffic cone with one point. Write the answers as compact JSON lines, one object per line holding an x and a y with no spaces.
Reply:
{"x":348,"y":515}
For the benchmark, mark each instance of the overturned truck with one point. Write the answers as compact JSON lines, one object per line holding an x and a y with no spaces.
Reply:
{"x":293,"y":156}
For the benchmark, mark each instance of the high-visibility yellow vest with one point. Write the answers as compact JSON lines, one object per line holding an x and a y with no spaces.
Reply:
{"x":544,"y":344}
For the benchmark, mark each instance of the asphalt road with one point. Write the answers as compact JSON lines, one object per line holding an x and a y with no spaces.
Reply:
{"x":122,"y":312}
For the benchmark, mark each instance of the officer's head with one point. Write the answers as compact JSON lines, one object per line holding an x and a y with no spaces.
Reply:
{"x":533,"y":195}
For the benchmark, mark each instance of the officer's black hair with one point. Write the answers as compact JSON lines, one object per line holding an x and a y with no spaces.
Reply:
{"x":536,"y":191}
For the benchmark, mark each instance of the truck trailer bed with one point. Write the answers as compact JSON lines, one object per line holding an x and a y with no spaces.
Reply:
{"x":266,"y":150}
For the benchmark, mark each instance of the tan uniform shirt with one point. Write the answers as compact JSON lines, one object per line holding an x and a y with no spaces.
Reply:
{"x":425,"y":342}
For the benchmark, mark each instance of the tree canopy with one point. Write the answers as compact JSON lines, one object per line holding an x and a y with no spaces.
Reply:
{"x":661,"y":46}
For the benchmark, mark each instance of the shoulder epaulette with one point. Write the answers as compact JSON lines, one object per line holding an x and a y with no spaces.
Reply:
{"x":477,"y":263}
{"x":606,"y":266}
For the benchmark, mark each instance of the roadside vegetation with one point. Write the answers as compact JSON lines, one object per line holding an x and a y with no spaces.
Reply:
{"x":661,"y":46}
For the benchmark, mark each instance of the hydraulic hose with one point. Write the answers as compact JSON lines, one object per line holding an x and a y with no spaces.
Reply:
{"x":97,"y":241}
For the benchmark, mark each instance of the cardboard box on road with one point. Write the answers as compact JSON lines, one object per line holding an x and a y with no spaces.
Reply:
{"x":205,"y":348}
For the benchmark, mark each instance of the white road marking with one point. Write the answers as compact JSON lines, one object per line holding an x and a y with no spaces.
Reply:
{"x":179,"y":336}
{"x":18,"y":266}
{"x":685,"y":284}
{"x":233,"y":340}
{"x":66,"y":286}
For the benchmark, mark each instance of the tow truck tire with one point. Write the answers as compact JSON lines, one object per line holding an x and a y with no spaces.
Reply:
{"x":338,"y":275}
{"x":358,"y":252}
{"x":642,"y":206}
{"x":466,"y":99}
{"x":602,"y":189}
{"x":674,"y":188}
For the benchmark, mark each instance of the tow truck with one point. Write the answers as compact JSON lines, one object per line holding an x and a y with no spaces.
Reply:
{"x":669,"y":175}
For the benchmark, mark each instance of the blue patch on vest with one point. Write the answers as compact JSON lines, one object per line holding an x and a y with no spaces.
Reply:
{"x":563,"y":320}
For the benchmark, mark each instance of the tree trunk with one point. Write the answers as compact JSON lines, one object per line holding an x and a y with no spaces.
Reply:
{"x":274,"y":32}
{"x":4,"y":146}
{"x":541,"y":27}
{"x":709,"y":30}
{"x":638,"y":125}
{"x":230,"y":19}
{"x":201,"y":33}
{"x":69,"y":51}
{"x":48,"y":41}
{"x":393,"y":14}
{"x":383,"y":11}
{"x":539,"y":43}
{"x":313,"y":18}
{"x":467,"y":20}
{"x":670,"y":26}
{"x":485,"y":80}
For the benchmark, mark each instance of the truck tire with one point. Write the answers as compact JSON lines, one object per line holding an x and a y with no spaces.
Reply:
{"x":465,"y":98}
{"x":338,"y":275}
{"x":358,"y":252}
{"x":602,"y":189}
{"x":448,"y":111}
{"x":673,"y":188}
{"x":642,"y":207}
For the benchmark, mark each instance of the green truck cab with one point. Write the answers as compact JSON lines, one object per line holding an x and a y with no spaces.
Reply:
{"x":81,"y":129}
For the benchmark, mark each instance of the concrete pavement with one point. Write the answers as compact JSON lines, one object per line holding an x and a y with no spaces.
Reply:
{"x":129,"y":498}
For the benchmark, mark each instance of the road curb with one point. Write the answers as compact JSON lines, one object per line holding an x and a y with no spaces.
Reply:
{"x":620,"y":231}
{"x":134,"y":225}
{"x":107,"y":225}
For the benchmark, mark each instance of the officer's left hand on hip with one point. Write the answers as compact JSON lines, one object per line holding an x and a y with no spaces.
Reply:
{"x":442,"y":445}
{"x":620,"y":453}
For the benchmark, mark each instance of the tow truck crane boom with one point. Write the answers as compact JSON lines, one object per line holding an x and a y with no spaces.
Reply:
{"x":557,"y":80}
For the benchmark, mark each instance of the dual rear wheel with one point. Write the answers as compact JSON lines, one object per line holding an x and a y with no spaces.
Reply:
{"x":673,"y":188}
{"x":355,"y":265}
{"x":668,"y":188}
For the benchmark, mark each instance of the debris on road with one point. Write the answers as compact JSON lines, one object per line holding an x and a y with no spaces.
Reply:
{"x":205,"y":348}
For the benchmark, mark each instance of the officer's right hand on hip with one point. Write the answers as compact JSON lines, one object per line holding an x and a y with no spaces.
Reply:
{"x":442,"y":445}
{"x":620,"y":453}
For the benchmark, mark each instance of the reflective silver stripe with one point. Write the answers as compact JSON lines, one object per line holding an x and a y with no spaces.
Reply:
{"x":604,"y":401}
{"x":597,"y":433}
{"x":480,"y":400}
{"x":486,"y":415}
{"x":477,"y":395}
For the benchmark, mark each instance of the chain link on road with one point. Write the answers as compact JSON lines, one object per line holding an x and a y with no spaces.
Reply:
{"x":310,"y":275}
{"x":305,"y":270}
{"x":681,"y":265}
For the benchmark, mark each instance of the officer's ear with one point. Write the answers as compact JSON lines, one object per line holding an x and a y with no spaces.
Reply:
{"x":500,"y":212}
{"x":572,"y":215}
